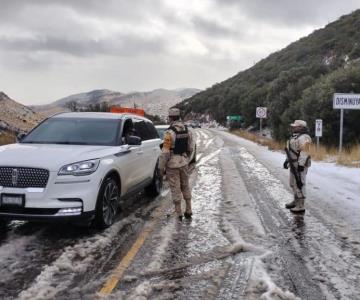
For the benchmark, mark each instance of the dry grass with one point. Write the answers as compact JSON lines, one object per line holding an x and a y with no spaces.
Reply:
{"x":270,"y":143}
{"x":323,"y":153}
{"x":7,"y":138}
{"x":350,"y":157}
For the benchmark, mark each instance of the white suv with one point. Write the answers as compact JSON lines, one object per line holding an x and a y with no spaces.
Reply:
{"x":77,"y":167}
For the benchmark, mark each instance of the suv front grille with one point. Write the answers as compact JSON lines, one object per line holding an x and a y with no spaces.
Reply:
{"x":23,"y":177}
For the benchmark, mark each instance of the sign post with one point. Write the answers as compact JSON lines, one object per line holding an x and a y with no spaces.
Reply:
{"x":345,"y":101}
{"x":341,"y":129}
{"x":318,"y":132}
{"x":261,"y":113}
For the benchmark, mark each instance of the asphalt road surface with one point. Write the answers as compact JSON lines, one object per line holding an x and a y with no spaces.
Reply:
{"x":241,"y":243}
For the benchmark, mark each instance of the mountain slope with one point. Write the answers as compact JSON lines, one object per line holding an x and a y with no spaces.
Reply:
{"x":326,"y":59}
{"x":156,"y":102}
{"x":15,"y":116}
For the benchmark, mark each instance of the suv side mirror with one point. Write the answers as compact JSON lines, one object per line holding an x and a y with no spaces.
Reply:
{"x":20,"y":136}
{"x":134,"y":140}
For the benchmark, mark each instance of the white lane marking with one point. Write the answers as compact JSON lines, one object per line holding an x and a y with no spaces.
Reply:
{"x":204,"y":135}
{"x":208,"y":143}
{"x":198,"y":156}
{"x":207,"y":158}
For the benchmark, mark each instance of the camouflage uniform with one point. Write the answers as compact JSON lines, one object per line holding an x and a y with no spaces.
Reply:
{"x":177,"y":166}
{"x":299,"y":145}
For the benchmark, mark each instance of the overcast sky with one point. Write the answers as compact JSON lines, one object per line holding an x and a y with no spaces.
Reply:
{"x":53,"y":48}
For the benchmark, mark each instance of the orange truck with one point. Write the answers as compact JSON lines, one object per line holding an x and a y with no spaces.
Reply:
{"x":127,"y":110}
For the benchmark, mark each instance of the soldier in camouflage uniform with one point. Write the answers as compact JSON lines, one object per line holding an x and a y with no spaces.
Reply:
{"x":299,"y":145}
{"x":178,"y":144}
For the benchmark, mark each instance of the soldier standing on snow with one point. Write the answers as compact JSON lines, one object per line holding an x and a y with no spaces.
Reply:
{"x":175,"y":158}
{"x":299,"y":160}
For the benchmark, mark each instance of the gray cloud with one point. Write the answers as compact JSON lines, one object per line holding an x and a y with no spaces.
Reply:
{"x":292,"y":13}
{"x":76,"y":45}
{"x":118,"y":45}
{"x":213,"y":28}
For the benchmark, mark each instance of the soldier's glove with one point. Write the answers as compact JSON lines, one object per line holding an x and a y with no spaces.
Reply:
{"x":286,"y":164}
{"x":301,"y":168}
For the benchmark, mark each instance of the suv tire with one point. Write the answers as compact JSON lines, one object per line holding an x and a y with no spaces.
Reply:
{"x":194,"y":157}
{"x":107,"y":203}
{"x":154,"y":189}
{"x":3,"y":223}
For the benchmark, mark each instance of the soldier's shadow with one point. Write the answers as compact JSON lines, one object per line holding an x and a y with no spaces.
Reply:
{"x":299,"y":227}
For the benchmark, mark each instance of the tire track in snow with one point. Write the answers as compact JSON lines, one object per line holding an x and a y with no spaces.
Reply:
{"x":303,"y":239}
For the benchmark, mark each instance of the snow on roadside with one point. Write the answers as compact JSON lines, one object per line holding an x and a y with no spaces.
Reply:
{"x":209,"y":179}
{"x":333,"y":187}
{"x":12,"y":250}
{"x":335,"y":259}
{"x":239,"y":214}
{"x":260,"y":282}
{"x":164,"y":237}
{"x":75,"y":259}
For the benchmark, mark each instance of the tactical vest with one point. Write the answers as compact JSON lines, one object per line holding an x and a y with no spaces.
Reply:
{"x":181,"y":141}
{"x":297,"y":153}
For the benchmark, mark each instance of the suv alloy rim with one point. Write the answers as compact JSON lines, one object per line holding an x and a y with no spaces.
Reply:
{"x":110,"y":201}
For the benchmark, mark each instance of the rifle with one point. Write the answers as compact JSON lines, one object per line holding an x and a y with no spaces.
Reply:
{"x":294,"y":170}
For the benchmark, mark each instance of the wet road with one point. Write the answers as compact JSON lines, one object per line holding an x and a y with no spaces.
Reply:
{"x":240,"y":244}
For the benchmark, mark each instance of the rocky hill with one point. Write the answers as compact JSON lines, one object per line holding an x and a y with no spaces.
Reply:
{"x":15,"y":117}
{"x":296,"y":82}
{"x":156,"y":102}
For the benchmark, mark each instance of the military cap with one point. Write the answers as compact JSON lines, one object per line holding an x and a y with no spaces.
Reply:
{"x":298,"y":123}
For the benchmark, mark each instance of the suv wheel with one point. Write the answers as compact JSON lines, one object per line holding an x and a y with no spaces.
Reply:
{"x":154,"y":189}
{"x":107,"y":203}
{"x":3,"y":223}
{"x":194,"y":157}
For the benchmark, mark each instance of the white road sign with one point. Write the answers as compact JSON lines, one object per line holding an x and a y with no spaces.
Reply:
{"x":318,"y":128}
{"x":346,"y":101}
{"x":261,"y":112}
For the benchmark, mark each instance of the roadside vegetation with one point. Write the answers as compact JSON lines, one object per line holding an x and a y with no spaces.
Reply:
{"x":6,"y":138}
{"x":349,"y":157}
{"x":297,"y":82}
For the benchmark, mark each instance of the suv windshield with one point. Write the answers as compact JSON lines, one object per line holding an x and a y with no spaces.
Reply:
{"x":81,"y":131}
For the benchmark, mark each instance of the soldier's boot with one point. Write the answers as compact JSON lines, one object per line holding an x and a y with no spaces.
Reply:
{"x":300,"y":206}
{"x":188,"y":211}
{"x":291,"y":204}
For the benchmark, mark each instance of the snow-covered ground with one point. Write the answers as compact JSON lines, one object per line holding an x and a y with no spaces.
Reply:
{"x":336,"y":187}
{"x":241,"y":243}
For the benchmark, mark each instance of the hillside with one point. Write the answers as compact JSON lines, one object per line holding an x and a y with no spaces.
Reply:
{"x":156,"y":102}
{"x":296,"y":82}
{"x":15,"y":117}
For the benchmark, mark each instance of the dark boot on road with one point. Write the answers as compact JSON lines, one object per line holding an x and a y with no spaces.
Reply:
{"x":291,"y":204}
{"x":300,"y":206}
{"x":187,"y":215}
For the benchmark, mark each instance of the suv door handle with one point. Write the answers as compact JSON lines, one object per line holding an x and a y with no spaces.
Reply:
{"x":140,"y":152}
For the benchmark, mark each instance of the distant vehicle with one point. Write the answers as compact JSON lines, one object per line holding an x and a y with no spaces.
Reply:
{"x":77,"y":167}
{"x":195,"y":125}
{"x":161,"y":131}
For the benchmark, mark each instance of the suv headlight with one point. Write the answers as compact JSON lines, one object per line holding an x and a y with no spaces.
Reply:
{"x":80,"y":168}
